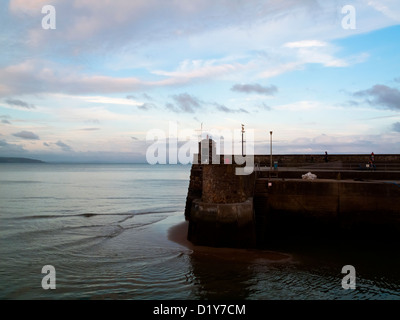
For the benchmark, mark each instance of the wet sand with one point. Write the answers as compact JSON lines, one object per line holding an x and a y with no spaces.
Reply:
{"x":178,"y":234}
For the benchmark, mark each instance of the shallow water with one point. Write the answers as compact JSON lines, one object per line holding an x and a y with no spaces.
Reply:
{"x":118,"y":232}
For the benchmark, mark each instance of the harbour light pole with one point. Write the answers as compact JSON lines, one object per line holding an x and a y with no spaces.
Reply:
{"x":270,"y":156}
{"x":242,"y":139}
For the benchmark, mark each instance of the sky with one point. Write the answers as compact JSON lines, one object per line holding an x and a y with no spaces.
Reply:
{"x":89,"y":81}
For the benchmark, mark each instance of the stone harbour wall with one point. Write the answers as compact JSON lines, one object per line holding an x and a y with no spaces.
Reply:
{"x":222,"y":185}
{"x":225,"y":209}
{"x":298,"y":209}
{"x":222,"y":225}
{"x":219,"y":206}
{"x":195,"y":189}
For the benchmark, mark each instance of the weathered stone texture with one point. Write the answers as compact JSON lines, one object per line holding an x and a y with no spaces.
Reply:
{"x":222,"y":225}
{"x":195,"y":187}
{"x":222,"y":185}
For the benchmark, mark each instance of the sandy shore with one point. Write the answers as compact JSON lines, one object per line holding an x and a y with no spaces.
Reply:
{"x":178,"y":234}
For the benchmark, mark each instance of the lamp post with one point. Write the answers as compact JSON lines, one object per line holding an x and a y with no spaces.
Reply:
{"x":270,"y":157}
{"x":242,"y":139}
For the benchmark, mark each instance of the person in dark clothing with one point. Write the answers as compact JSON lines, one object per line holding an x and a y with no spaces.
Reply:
{"x":326,"y":156}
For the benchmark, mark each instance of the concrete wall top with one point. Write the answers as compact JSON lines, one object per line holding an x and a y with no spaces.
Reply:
{"x":291,"y":159}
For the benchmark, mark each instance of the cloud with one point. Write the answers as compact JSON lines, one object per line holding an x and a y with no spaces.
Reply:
{"x":63,"y":146}
{"x":222,"y":108}
{"x":27,"y":6}
{"x":99,"y":19}
{"x":146,"y":96}
{"x":388,"y":8}
{"x":19,"y":103}
{"x":37,"y":76}
{"x":306,"y":52}
{"x":341,"y":144}
{"x":185,"y":103}
{"x":266,"y":107}
{"x":190,"y":70}
{"x":90,"y":129}
{"x":108,"y":100}
{"x":304,"y":105}
{"x":28,"y":135}
{"x":255,"y":88}
{"x":10,"y":149}
{"x":147,"y":106}
{"x":171,"y":107}
{"x":134,"y":138}
{"x":46,"y":144}
{"x":275,"y":70}
{"x":351,"y":103}
{"x":225,"y":109}
{"x":382,"y":96}
{"x":92,"y":121}
{"x":186,"y":33}
{"x":149,"y":21}
{"x":144,"y":106}
{"x":396,"y":126}
{"x":305,"y":44}
{"x":5,"y":119}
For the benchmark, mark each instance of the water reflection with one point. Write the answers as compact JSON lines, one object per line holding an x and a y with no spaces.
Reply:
{"x":215,"y":278}
{"x":295,"y":272}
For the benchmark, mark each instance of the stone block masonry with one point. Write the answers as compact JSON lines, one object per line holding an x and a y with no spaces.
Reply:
{"x":222,"y":214}
{"x":195,"y":189}
{"x":222,"y":225}
{"x":222,"y":185}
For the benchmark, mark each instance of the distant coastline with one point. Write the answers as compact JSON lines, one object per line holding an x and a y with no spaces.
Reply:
{"x":19,"y":160}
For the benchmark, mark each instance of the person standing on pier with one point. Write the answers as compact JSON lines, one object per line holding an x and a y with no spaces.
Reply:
{"x":372,"y":161}
{"x":326,"y":156}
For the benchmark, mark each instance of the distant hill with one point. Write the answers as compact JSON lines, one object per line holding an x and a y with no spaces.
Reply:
{"x":19,"y":160}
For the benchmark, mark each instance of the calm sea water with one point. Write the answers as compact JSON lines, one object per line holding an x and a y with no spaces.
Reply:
{"x":105,"y":229}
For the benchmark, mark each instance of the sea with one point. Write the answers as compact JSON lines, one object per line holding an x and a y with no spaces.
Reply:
{"x":117,"y":231}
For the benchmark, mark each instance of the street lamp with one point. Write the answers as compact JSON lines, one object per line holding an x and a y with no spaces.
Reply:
{"x":242,"y":139}
{"x":270,"y":157}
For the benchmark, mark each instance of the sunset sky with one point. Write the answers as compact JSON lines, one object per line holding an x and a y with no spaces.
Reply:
{"x":91,"y":89}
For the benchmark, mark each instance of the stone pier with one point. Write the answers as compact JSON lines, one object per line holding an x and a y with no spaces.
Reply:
{"x":347,"y":198}
{"x":223,"y":216}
